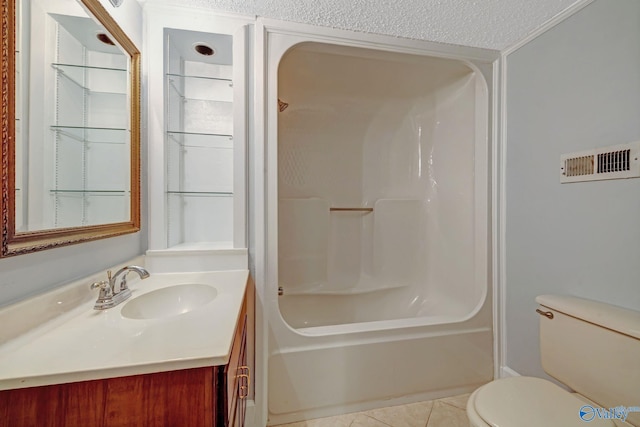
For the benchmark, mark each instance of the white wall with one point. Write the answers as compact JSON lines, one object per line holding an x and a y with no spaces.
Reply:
{"x":575,"y":87}
{"x":25,"y":275}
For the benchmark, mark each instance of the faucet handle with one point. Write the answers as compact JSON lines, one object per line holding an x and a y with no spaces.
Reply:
{"x":105,"y":289}
{"x":102,"y":285}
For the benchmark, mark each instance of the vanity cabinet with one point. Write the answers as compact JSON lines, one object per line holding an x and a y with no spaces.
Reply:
{"x":212,"y":396}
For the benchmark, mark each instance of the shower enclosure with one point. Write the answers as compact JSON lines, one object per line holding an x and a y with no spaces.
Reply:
{"x":379,"y":201}
{"x":376,"y":165}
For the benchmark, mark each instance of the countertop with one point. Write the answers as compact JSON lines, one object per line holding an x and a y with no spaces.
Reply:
{"x":85,"y":344}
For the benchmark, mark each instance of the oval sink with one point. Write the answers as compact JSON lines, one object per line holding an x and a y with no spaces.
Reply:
{"x":169,"y":301}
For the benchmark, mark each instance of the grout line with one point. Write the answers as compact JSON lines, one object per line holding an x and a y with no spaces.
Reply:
{"x":433,"y":403}
{"x":430,"y":412}
{"x":380,"y":421}
{"x":374,"y":418}
{"x":452,"y":405}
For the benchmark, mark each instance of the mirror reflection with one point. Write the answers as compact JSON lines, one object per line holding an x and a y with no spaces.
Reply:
{"x":72,"y":152}
{"x":70,"y":124}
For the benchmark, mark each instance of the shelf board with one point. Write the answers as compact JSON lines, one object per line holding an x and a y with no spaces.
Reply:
{"x":87,"y":67}
{"x":93,"y":135}
{"x":174,"y":132}
{"x":97,"y":192}
{"x":185,"y":76}
{"x":101,"y":79}
{"x":86,"y":128}
{"x":201,"y":193}
{"x":201,"y":140}
{"x":201,"y":88}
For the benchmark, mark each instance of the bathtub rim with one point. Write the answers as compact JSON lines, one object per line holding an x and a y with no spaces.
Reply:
{"x":381,"y":324}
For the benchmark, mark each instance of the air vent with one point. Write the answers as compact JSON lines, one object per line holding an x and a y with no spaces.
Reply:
{"x":620,"y":161}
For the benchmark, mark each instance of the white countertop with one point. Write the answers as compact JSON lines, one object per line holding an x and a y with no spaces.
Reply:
{"x":85,"y":344}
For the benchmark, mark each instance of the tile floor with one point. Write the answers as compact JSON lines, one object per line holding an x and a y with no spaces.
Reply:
{"x":447,"y":412}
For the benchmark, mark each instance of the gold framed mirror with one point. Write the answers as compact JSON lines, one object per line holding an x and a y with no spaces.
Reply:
{"x":70,"y":126}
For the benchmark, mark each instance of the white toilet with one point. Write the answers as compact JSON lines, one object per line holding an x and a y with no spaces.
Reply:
{"x":591,"y":347}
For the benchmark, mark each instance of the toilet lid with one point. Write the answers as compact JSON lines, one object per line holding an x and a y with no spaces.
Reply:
{"x":533,"y":402}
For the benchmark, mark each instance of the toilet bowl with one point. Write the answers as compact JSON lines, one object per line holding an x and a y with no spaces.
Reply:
{"x":591,"y":347}
{"x":527,"y":402}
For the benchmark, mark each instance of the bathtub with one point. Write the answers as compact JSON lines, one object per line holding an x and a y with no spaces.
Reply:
{"x":377,"y":228}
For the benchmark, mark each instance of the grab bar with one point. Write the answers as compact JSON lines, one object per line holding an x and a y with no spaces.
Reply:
{"x":351,"y":209}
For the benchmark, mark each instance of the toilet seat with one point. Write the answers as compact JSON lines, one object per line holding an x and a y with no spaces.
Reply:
{"x":527,"y":402}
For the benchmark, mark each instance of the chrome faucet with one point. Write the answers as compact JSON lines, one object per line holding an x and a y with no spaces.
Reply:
{"x":113,"y":293}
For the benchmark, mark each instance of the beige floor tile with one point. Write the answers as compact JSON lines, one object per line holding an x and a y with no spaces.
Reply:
{"x":445,"y":415}
{"x":411,"y":415}
{"x":338,"y":421}
{"x":459,"y":401}
{"x":363,"y":420}
{"x":446,"y":412}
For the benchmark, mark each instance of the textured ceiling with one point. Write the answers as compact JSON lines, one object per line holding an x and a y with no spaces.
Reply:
{"x":491,"y":24}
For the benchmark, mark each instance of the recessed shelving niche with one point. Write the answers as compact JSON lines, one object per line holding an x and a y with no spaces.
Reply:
{"x":198,"y":92}
{"x":200,"y":117}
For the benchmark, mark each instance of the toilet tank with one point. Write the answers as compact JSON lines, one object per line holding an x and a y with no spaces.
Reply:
{"x":594,"y":348}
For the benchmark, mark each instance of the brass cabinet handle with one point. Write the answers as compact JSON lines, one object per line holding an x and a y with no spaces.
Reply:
{"x":547,"y":314}
{"x":244,"y":374}
{"x":244,"y":392}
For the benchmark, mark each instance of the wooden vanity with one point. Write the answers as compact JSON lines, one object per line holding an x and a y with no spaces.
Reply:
{"x":210,"y":396}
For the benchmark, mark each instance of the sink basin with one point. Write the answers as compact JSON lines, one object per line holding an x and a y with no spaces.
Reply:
{"x":170,"y":301}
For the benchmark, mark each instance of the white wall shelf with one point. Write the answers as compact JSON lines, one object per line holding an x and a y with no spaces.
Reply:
{"x":94,"y":79}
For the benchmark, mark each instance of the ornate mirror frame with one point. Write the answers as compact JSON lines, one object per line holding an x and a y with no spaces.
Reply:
{"x":13,"y":243}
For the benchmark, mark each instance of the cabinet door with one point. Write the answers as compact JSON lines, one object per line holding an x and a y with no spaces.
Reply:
{"x":236,"y":375}
{"x":242,"y":384}
{"x":164,"y":399}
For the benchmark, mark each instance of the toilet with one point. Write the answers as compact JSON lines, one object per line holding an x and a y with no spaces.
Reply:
{"x":592,"y":348}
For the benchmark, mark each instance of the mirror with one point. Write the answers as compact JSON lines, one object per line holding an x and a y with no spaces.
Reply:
{"x":70,"y":125}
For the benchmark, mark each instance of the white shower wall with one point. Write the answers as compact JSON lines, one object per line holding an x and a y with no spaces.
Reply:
{"x":393,"y":133}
